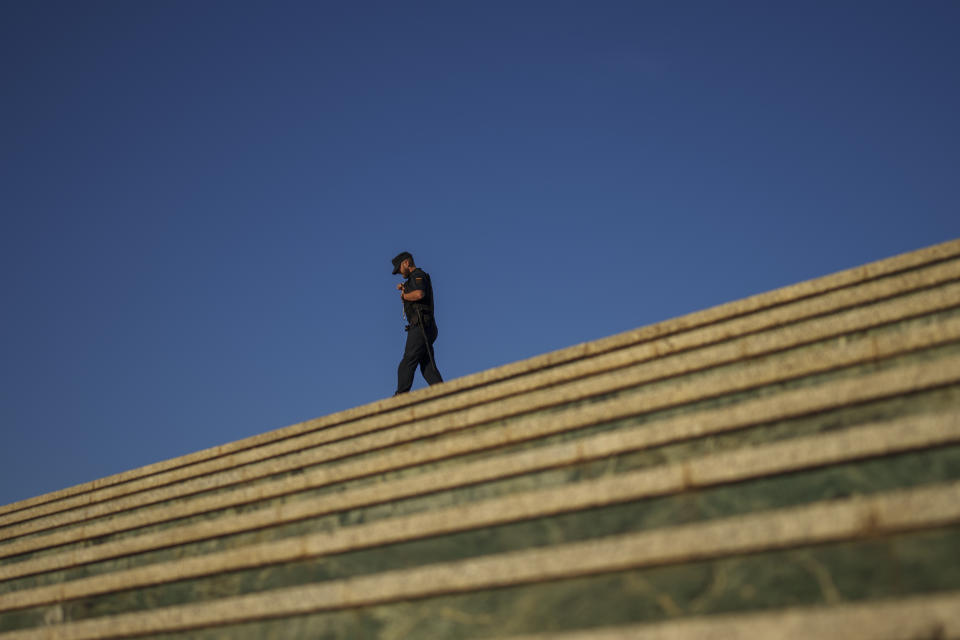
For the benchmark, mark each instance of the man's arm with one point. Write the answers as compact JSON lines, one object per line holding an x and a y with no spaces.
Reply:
{"x":416,"y":287}
{"x":412,"y":296}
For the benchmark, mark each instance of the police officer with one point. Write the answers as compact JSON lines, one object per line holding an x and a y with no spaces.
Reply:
{"x":417,"y":294}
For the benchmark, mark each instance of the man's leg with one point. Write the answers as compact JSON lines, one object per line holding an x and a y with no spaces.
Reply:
{"x":428,"y":363}
{"x":413,"y":352}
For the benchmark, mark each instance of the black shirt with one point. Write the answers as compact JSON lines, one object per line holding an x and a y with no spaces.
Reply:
{"x":418,"y":280}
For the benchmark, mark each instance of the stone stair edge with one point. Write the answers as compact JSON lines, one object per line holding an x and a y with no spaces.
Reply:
{"x":931,"y":616}
{"x":854,"y":353}
{"x":817,"y":523}
{"x":581,"y":369}
{"x":848,"y":277}
{"x":705,"y":471}
{"x":783,"y":406}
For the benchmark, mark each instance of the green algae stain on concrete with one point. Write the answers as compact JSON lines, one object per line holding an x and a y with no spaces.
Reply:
{"x":783,"y":491}
{"x":822,"y":575}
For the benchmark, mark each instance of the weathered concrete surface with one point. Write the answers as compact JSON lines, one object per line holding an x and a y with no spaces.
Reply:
{"x":756,"y":468}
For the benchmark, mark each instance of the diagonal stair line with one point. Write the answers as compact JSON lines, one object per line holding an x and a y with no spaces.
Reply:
{"x":867,"y":273}
{"x":818,"y":523}
{"x":785,"y":367}
{"x":707,"y":471}
{"x":932,"y":617}
{"x":901,"y":435}
{"x":753,"y":412}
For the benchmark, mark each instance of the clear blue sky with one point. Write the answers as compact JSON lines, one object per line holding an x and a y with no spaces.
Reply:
{"x":200,"y":199}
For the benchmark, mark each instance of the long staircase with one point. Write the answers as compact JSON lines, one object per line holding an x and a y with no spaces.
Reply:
{"x":783,"y":466}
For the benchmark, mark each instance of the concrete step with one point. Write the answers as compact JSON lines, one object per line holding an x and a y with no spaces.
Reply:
{"x":910,"y":619}
{"x":931,"y":442}
{"x":791,"y":457}
{"x":831,"y":532}
{"x":652,"y":386}
{"x":813,"y":299}
{"x":859,"y":275}
{"x":588,"y":385}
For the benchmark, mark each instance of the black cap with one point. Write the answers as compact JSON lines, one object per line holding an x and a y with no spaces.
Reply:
{"x":405,"y":255}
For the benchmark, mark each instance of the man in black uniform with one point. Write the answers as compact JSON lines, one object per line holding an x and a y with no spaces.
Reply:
{"x":417,"y":295}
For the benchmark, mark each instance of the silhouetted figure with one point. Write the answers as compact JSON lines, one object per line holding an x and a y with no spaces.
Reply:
{"x":417,"y":294}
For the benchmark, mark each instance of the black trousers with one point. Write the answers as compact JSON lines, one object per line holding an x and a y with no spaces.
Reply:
{"x":418,"y":352}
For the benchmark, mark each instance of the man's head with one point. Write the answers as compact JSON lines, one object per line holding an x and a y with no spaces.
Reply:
{"x":403,"y":264}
